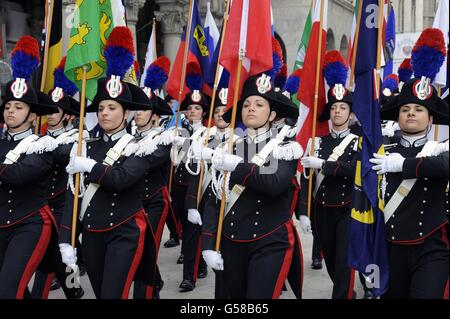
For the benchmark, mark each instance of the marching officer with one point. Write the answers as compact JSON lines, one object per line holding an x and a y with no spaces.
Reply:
{"x":56,"y":183}
{"x":333,"y":164}
{"x":416,"y":172}
{"x":116,"y":233}
{"x":196,"y":104}
{"x":155,"y":196}
{"x":26,"y":223}
{"x":258,"y":239}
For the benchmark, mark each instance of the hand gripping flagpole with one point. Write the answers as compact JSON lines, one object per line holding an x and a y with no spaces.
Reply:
{"x":316,"y":101}
{"x":214,"y":93}
{"x":48,"y":31}
{"x":79,"y":148}
{"x":230,"y":147}
{"x":182,"y":82}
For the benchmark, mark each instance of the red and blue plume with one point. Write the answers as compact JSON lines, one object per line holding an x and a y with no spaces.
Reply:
{"x":157,"y":73}
{"x":224,"y":80}
{"x":119,"y":52}
{"x":25,"y":57}
{"x":391,"y":82}
{"x":137,"y":70}
{"x":428,"y":53}
{"x":280,"y":79}
{"x":335,"y":69}
{"x":194,"y":79}
{"x":293,"y":82}
{"x":62,"y":81}
{"x":277,"y":56}
{"x":405,"y":70}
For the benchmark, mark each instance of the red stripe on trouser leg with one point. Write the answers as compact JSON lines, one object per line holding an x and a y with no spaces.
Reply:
{"x":286,"y":263}
{"x":38,"y":252}
{"x":197,"y":257}
{"x":301,"y":257}
{"x":166,"y":194}
{"x":47,"y":285}
{"x":142,"y":225}
{"x":446,"y":291}
{"x":351,"y":285}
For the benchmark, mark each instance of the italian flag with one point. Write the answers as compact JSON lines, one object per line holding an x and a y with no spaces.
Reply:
{"x":308,"y":79}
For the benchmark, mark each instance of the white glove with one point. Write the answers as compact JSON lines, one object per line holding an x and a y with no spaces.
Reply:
{"x":80,"y":165}
{"x":213,"y":259}
{"x":178,"y":140}
{"x":225,"y":162}
{"x":69,"y":255}
{"x":196,"y":149}
{"x":194,"y":217}
{"x":305,"y":224}
{"x":387,"y":164}
{"x":440,"y":148}
{"x":312,"y":162}
{"x":207,"y":153}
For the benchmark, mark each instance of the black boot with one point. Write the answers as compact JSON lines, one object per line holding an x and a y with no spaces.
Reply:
{"x":187,"y":285}
{"x":317,"y":263}
{"x":172,"y":242}
{"x":180,"y":259}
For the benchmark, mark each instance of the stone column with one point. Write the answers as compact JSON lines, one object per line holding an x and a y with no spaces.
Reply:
{"x":173,"y":16}
{"x":132,"y":11}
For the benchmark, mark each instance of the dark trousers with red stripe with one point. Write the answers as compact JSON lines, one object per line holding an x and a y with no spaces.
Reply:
{"x":112,"y":257}
{"x":419,"y":271}
{"x":157,"y":212}
{"x":332,"y":228}
{"x":258,"y":269}
{"x":178,"y":195}
{"x":22,"y":247}
{"x":43,"y":280}
{"x":193,"y":262}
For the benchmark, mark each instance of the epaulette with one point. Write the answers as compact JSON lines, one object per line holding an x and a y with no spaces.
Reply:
{"x":165,"y":138}
{"x":288,"y":151}
{"x":132,"y":147}
{"x":42,"y":145}
{"x":71,"y":137}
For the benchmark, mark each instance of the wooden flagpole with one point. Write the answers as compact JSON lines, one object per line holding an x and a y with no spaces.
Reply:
{"x":213,"y":99}
{"x":154,"y":38}
{"x":355,"y":45}
{"x":48,"y":31}
{"x":230,"y":148}
{"x":80,"y":141}
{"x":436,"y":127}
{"x":316,"y":101}
{"x":379,"y":44}
{"x":182,"y":82}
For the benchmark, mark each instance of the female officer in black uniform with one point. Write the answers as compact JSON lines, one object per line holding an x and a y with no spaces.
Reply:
{"x":417,"y":172}
{"x":258,"y":233}
{"x":25,"y":218}
{"x":115,"y":228}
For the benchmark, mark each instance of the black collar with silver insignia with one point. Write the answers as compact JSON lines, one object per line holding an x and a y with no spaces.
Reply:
{"x":341,"y":134}
{"x":19,"y":135}
{"x":55,"y":133}
{"x":411,"y":142}
{"x":115,"y":136}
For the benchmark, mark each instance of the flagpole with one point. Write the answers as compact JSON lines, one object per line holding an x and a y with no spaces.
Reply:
{"x":154,"y":38}
{"x":79,"y":148}
{"x":182,"y":82}
{"x":436,"y":127}
{"x":48,"y":31}
{"x":355,"y":45}
{"x":316,"y":101}
{"x":379,"y":45}
{"x":211,"y":108}
{"x":230,"y":147}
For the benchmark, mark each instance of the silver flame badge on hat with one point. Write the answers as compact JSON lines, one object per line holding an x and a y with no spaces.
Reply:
{"x":422,"y":89}
{"x":223,"y":96}
{"x":148,"y":92}
{"x":19,"y":88}
{"x":339,"y":91}
{"x":263,"y":83}
{"x":196,"y":96}
{"x":114,"y":86}
{"x":57,"y":94}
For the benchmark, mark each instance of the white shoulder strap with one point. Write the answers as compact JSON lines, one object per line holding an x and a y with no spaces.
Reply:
{"x":337,"y":152}
{"x":406,"y":185}
{"x":13,"y":155}
{"x":112,"y":156}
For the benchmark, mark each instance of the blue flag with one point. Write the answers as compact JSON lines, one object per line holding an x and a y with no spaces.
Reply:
{"x":389,"y":47}
{"x":198,"y":45}
{"x":367,"y":241}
